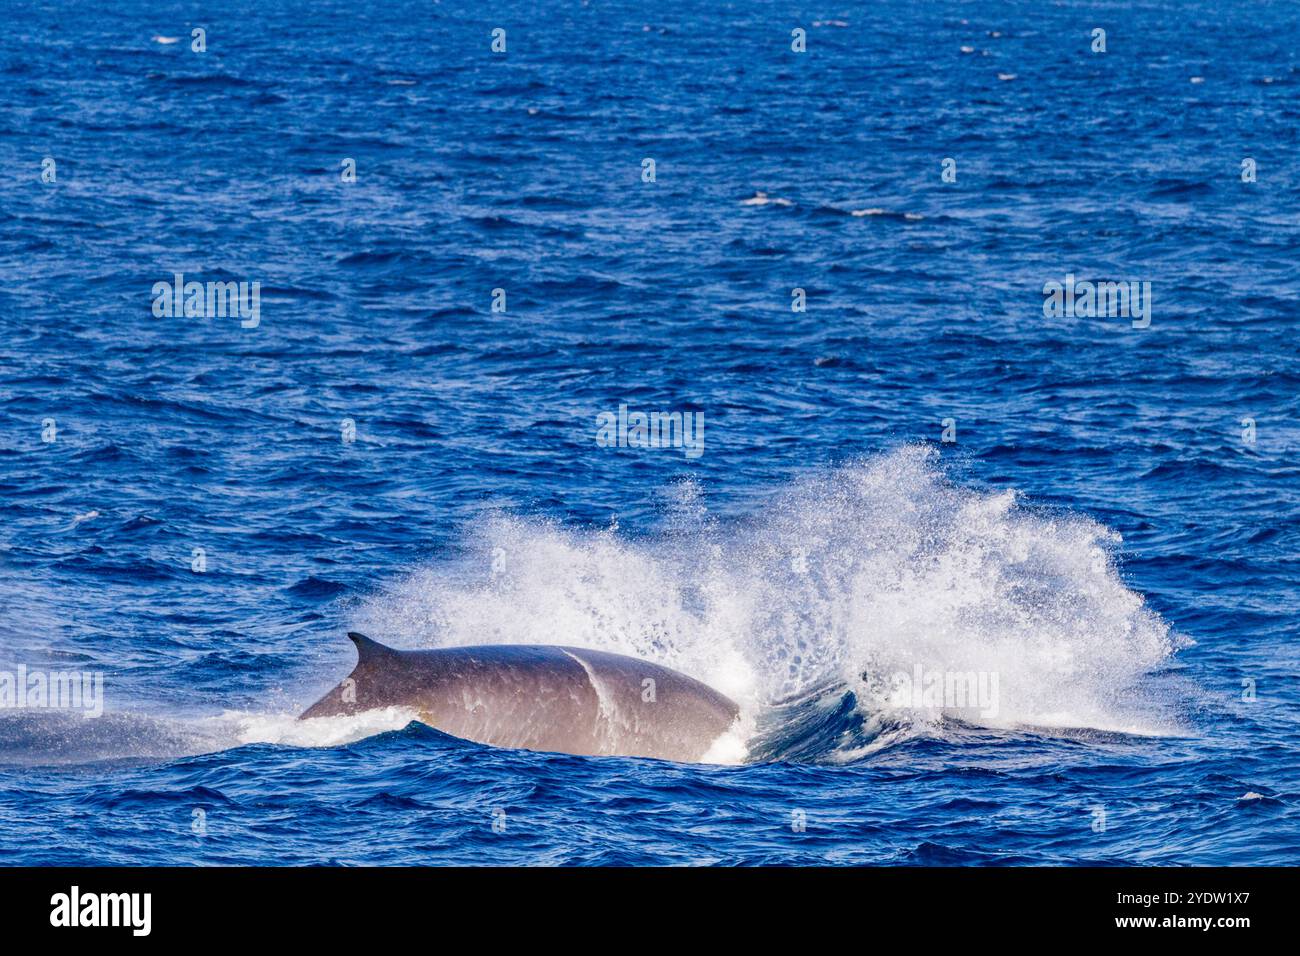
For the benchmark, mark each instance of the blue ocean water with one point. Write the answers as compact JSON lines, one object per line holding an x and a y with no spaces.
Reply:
{"x":198,"y":510}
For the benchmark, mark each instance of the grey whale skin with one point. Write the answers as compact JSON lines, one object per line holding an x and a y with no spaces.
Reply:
{"x":538,"y":697}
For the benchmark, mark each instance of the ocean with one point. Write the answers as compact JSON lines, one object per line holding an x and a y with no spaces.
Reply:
{"x":966,"y":333}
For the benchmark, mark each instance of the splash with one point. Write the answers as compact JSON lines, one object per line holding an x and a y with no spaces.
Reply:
{"x":51,"y":738}
{"x":821,"y":614}
{"x":287,"y":729}
{"x":817,"y":613}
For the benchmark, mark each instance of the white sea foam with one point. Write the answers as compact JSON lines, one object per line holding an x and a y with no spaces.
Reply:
{"x":730,"y":748}
{"x":763,"y":199}
{"x":317,"y":732}
{"x":847,"y":578}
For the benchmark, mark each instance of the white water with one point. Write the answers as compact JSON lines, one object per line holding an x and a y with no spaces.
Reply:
{"x":846,"y":579}
{"x":851,"y":577}
{"x":319,"y":732}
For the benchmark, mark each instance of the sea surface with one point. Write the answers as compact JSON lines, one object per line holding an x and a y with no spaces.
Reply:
{"x":920,"y":473}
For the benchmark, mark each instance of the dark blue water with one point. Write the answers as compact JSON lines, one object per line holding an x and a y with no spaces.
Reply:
{"x":1105,"y":536}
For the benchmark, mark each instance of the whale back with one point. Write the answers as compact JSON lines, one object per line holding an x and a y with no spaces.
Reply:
{"x":539,"y":697}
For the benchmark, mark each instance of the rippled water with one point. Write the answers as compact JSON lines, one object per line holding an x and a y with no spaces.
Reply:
{"x":1111,"y":535}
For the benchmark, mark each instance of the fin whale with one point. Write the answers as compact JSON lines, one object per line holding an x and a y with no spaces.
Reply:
{"x":538,"y":697}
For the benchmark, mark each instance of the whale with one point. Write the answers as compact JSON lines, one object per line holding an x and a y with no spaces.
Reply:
{"x":571,"y":700}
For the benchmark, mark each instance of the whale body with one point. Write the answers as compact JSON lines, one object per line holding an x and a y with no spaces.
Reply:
{"x":538,"y":697}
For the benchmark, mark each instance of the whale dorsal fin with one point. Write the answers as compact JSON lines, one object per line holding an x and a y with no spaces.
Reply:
{"x":368,"y":650}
